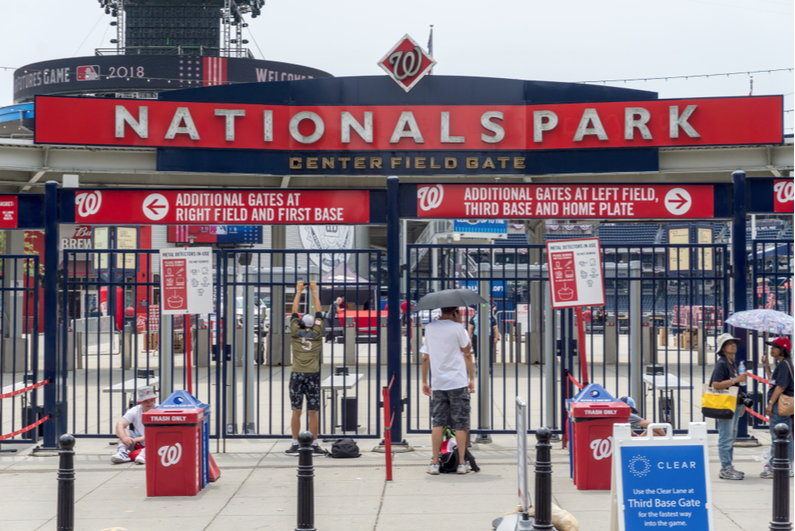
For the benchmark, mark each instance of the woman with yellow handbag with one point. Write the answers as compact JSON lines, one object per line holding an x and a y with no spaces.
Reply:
{"x":726,"y":375}
{"x":779,"y":404}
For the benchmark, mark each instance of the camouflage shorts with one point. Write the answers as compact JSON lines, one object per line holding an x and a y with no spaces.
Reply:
{"x":305,"y":384}
{"x":451,"y":408}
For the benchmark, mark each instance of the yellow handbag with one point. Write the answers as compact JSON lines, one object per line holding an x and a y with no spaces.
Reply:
{"x":718,"y":403}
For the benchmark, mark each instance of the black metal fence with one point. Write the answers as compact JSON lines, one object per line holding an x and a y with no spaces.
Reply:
{"x":20,"y":347}
{"x":256,"y":400}
{"x":653,"y":340}
{"x":115,"y":339}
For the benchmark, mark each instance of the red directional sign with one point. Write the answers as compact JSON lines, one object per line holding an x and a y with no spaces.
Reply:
{"x":9,"y":216}
{"x":580,"y":201}
{"x":243,"y":207}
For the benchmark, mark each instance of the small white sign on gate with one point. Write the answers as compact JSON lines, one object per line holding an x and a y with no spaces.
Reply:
{"x":186,"y":280}
{"x":575,"y":273}
{"x":661,"y":482}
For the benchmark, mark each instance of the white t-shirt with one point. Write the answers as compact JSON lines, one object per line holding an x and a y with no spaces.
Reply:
{"x":135,"y":416}
{"x":444,"y":341}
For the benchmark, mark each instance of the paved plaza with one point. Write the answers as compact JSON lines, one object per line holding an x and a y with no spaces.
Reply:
{"x":257,"y":490}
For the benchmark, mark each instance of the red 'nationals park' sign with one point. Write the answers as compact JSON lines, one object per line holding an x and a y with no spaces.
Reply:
{"x":302,"y":128}
{"x":249,"y":207}
{"x":566,"y":201}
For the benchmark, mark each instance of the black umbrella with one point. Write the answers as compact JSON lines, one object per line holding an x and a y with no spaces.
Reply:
{"x":449,"y":298}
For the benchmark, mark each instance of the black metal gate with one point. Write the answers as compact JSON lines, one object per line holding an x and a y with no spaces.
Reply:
{"x":21,"y":361}
{"x":653,"y":340}
{"x":256,"y":338}
{"x":771,"y":271}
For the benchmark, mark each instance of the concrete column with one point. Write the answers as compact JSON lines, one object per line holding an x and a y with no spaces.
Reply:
{"x":350,"y":341}
{"x":484,"y":364}
{"x":166,"y":369}
{"x":14,"y":347}
{"x":549,"y":357}
{"x":278,"y":304}
{"x":203,"y":347}
{"x":126,"y":348}
{"x":611,"y":339}
{"x":635,"y":325}
{"x":383,"y":344}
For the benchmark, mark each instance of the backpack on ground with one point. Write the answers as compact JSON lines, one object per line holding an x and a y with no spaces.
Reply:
{"x":344,"y":449}
{"x":448,"y":456}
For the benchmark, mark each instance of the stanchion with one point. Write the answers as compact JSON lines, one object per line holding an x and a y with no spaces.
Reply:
{"x":781,"y":468}
{"x":387,"y":435}
{"x":543,"y":505}
{"x":66,"y":484}
{"x":306,"y":488}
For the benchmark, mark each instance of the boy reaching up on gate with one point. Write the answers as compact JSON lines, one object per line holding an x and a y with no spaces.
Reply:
{"x":130,"y":430}
{"x":306,"y":340}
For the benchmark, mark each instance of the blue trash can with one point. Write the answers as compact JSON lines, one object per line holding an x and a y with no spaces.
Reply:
{"x":183,"y":399}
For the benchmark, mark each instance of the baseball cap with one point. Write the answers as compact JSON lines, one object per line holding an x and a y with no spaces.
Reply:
{"x":307,"y":320}
{"x":781,"y":342}
{"x":628,"y":400}
{"x":146,"y":393}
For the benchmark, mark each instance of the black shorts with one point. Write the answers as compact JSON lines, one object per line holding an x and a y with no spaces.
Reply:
{"x":451,"y":408}
{"x":305,"y":384}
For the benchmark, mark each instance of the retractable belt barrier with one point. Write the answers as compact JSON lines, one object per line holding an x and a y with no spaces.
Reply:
{"x":757,"y":415}
{"x":574,"y":381}
{"x":24,"y":390}
{"x":30,"y":426}
{"x":757,"y":378}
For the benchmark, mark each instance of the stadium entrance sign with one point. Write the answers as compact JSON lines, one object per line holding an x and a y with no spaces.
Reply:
{"x":453,"y":126}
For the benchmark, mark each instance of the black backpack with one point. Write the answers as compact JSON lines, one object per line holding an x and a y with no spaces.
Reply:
{"x":344,"y":449}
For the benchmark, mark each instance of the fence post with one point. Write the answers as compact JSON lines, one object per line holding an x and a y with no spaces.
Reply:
{"x":781,"y":467}
{"x":393,"y":364}
{"x":57,"y":423}
{"x":739,"y":268}
{"x":306,"y":488}
{"x":543,"y":505}
{"x":66,"y":484}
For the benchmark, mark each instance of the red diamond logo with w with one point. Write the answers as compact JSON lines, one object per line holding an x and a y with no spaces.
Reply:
{"x":407,"y":63}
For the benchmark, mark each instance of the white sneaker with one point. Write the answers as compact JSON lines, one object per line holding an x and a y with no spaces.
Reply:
{"x":121,"y":456}
{"x":462,"y":469}
{"x":433,"y":469}
{"x":141,"y":459}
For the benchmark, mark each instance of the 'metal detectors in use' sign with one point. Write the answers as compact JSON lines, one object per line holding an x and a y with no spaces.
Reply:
{"x":337,"y":207}
{"x":566,"y":201}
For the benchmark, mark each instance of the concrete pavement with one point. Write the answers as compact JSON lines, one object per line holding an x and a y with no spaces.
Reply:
{"x":257,"y":490}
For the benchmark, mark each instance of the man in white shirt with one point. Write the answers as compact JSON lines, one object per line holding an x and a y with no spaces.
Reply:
{"x":448,"y":352}
{"x":130,"y":430}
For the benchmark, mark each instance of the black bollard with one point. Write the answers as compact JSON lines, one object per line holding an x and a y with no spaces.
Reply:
{"x":66,"y":484}
{"x":306,"y":488}
{"x":543,"y":515}
{"x":781,"y":466}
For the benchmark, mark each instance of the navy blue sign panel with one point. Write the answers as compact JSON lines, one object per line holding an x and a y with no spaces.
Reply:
{"x":147,"y":73}
{"x":464,"y":98}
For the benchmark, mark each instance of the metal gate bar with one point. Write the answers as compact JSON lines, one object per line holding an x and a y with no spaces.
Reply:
{"x":262,"y":283}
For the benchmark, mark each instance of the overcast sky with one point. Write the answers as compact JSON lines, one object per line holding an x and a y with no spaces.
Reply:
{"x":553,"y":40}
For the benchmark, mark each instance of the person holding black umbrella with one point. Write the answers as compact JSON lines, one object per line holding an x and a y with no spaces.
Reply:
{"x":448,"y":353}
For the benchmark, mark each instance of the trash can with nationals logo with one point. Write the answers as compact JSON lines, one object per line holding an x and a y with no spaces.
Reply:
{"x":173,"y":451}
{"x":592,"y":414}
{"x":180,"y":399}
